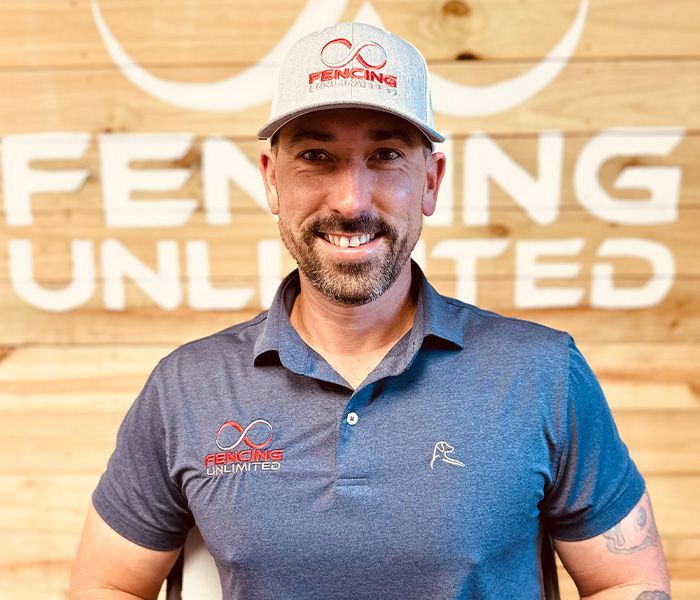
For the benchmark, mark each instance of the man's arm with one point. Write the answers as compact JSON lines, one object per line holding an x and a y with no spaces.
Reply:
{"x":110,"y":566}
{"x":625,"y":562}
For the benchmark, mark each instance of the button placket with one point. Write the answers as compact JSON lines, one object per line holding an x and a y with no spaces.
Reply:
{"x":351,"y":463}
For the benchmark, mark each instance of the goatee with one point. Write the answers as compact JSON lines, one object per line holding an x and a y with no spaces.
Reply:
{"x":351,"y":282}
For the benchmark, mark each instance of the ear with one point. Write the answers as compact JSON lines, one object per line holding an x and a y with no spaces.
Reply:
{"x":435,"y":170}
{"x":267,"y":170}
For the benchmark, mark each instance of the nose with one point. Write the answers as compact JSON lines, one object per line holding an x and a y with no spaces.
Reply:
{"x":351,"y":189}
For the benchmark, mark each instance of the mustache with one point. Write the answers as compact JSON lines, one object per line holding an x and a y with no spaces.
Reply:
{"x":365,"y":223}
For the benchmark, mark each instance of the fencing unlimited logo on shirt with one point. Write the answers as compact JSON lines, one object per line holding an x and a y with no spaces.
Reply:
{"x":258,"y":456}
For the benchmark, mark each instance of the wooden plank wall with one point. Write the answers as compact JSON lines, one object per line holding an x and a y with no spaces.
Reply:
{"x":66,"y":378}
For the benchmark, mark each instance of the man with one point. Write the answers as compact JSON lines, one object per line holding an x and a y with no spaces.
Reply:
{"x":367,"y":437}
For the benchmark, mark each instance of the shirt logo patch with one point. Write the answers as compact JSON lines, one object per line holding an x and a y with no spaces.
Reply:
{"x":441,"y":451}
{"x":243,"y":434}
{"x":258,"y":456}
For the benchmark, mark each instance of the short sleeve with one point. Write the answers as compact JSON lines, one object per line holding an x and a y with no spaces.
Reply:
{"x":136,"y":495}
{"x":596,"y":483}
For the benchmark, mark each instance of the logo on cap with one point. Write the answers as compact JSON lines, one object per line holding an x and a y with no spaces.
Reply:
{"x":339,"y":52}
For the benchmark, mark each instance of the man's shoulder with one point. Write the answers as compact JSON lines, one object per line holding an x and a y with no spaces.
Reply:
{"x":226,"y":345}
{"x":496,"y":329}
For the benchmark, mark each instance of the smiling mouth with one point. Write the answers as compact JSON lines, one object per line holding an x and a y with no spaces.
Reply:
{"x":348,"y":241}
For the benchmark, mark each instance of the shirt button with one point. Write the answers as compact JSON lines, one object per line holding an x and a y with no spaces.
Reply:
{"x":352,"y":418}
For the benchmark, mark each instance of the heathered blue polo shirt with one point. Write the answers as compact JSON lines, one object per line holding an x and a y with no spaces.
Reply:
{"x":433,"y":479}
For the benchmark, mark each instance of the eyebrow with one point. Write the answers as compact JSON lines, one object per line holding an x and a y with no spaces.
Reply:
{"x":375,"y":135}
{"x":381,"y":135}
{"x":310,"y":134}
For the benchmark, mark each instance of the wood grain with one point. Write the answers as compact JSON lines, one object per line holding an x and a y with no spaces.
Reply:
{"x":160,"y":32}
{"x":521,"y":148}
{"x":67,"y":379}
{"x":676,"y":319}
{"x":233,"y":249}
{"x":586,"y":97}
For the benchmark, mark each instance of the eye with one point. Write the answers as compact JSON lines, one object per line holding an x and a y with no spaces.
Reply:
{"x":314,"y":155}
{"x":386,"y":154}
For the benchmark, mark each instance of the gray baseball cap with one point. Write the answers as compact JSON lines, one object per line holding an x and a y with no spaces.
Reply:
{"x":353,"y":65}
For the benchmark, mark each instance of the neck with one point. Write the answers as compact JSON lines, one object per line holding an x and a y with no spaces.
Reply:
{"x":334,"y":329}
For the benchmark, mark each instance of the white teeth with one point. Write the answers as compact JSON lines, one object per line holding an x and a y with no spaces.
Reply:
{"x":345,"y":242}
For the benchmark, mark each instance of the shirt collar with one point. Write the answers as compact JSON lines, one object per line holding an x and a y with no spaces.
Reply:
{"x":441,"y":316}
{"x":436,"y":316}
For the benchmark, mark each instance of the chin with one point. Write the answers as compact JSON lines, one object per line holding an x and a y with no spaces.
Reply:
{"x":352,"y":283}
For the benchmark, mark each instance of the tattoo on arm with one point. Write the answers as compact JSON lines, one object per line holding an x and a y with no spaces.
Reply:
{"x":634,"y":533}
{"x":655,"y":595}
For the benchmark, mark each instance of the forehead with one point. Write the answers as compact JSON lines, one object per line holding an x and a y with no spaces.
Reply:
{"x":349,"y":124}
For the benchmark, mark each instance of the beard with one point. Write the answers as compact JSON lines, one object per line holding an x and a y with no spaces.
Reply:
{"x":351,"y":282}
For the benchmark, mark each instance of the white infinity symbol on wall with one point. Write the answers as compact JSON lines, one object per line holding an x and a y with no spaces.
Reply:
{"x":255,"y":85}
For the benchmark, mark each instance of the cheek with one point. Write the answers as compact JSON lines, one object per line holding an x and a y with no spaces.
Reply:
{"x":300,"y":197}
{"x":294,"y":178}
{"x":399,"y":186}
{"x":294,"y":201}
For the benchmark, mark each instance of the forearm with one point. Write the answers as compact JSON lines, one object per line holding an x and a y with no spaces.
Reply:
{"x":635,"y":591}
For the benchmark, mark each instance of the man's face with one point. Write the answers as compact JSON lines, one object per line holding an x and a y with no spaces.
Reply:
{"x":350,"y":187}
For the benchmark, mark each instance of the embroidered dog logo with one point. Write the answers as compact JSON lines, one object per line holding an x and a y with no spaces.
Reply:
{"x":442,"y":450}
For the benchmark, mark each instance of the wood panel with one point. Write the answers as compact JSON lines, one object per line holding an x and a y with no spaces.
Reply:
{"x":61,"y":217}
{"x":675,"y":319}
{"x":647,"y":376}
{"x":58,"y":219}
{"x":89,"y":379}
{"x":587,"y":96}
{"x":67,"y":379}
{"x":233,"y":249}
{"x":161,"y":32}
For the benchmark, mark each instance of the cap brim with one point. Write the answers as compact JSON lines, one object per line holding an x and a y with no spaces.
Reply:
{"x":272,"y":127}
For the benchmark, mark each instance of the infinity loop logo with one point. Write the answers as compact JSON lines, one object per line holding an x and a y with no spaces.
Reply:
{"x":254,"y":86}
{"x":339,"y":52}
{"x":243,"y":434}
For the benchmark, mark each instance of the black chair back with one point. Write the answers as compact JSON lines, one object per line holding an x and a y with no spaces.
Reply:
{"x":549,"y":569}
